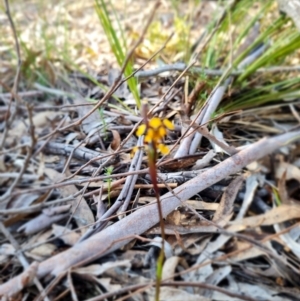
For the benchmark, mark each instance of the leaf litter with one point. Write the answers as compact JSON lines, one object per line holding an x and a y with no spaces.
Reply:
{"x":229,"y":187}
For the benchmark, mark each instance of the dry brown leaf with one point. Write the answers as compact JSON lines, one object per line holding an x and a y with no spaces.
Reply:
{"x":224,"y":211}
{"x":200,"y":205}
{"x":48,"y":217}
{"x":251,"y":186}
{"x":116,"y":140}
{"x":40,"y":120}
{"x":174,"y":218}
{"x":2,"y":164}
{"x":193,"y":244}
{"x":291,"y":171}
{"x":122,"y":120}
{"x":99,"y":269}
{"x":91,"y":121}
{"x":180,"y":163}
{"x":80,"y":209}
{"x":66,"y":235}
{"x":101,"y":207}
{"x":275,"y":215}
{"x":136,"y":257}
{"x":23,"y":200}
{"x":6,"y":250}
{"x":175,"y":294}
{"x":201,"y":274}
{"x":288,"y":240}
{"x":41,"y":168}
{"x":219,"y":135}
{"x":282,"y":191}
{"x":249,"y":253}
{"x":106,"y":283}
{"x":170,"y":267}
{"x":123,"y":91}
{"x":41,"y":252}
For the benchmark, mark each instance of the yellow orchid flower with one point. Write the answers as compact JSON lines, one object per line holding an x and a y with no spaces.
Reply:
{"x":155,"y":133}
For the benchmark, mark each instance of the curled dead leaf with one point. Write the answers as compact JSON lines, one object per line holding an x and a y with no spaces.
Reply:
{"x":116,"y":140}
{"x":291,"y":171}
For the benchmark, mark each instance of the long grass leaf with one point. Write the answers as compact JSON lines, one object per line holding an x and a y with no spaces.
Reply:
{"x":117,"y":48}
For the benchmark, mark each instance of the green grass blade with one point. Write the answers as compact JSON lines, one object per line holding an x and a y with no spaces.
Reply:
{"x":278,"y":51}
{"x":118,"y":50}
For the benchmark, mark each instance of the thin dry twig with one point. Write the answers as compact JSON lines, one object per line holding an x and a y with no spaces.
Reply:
{"x":11,"y":116}
{"x":7,"y":195}
{"x":17,"y":45}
